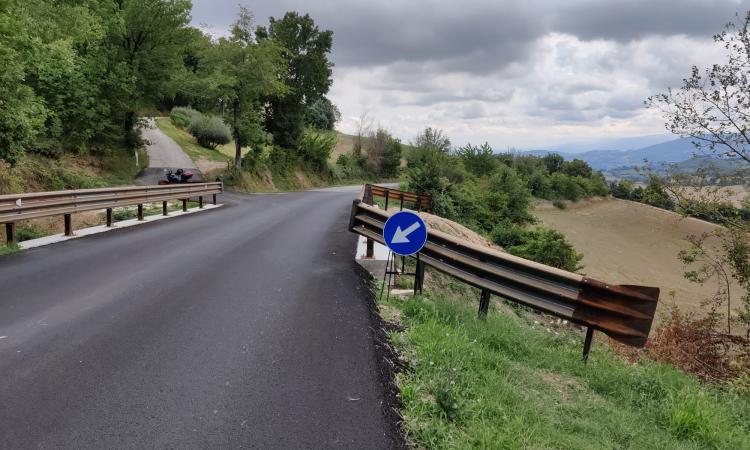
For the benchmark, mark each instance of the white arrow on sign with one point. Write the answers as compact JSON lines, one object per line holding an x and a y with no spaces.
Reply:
{"x":400,"y":237}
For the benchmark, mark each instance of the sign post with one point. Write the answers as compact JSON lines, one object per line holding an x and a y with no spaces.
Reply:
{"x":405,"y":233}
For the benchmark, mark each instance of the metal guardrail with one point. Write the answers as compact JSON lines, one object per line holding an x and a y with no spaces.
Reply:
{"x":422,"y":202}
{"x":16,"y":207}
{"x":623,"y":312}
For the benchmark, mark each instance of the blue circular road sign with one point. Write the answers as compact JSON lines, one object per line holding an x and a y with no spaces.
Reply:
{"x":405,"y":233}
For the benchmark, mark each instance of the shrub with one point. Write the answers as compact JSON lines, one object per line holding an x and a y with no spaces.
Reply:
{"x":622,"y":189}
{"x":315,"y":148}
{"x":506,"y":198}
{"x":539,"y":244}
{"x":391,"y":159}
{"x":540,"y":184}
{"x":655,"y":195}
{"x":577,"y":168}
{"x":565,"y":187}
{"x":210,"y":131}
{"x":480,"y":160}
{"x":29,"y":232}
{"x":182,"y":116}
{"x":322,"y":114}
{"x":693,"y":344}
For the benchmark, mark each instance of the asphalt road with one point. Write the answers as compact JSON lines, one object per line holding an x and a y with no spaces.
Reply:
{"x":242,"y":327}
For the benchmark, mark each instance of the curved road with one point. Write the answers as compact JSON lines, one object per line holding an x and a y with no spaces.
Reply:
{"x":242,"y":327}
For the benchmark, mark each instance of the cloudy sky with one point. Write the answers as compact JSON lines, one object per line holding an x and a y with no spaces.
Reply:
{"x":529,"y":73}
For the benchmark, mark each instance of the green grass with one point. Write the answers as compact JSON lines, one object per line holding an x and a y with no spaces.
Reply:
{"x":30,"y":231}
{"x":508,"y":383}
{"x":190,"y":145}
{"x":8,"y":249}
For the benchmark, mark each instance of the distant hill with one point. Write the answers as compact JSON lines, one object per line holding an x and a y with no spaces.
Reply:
{"x":628,"y":143}
{"x":673,"y":151}
{"x":715,"y":167}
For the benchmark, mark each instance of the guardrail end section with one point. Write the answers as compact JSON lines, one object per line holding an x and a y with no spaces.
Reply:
{"x":623,"y":312}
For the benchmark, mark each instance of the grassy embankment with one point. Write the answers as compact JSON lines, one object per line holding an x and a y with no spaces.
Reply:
{"x":517,"y":381}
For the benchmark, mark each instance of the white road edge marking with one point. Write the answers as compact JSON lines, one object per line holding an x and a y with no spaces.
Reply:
{"x":55,"y":238}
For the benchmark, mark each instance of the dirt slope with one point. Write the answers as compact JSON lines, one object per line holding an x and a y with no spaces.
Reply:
{"x":631,"y":243}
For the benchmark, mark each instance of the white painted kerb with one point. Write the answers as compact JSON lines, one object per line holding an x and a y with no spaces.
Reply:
{"x":55,"y":238}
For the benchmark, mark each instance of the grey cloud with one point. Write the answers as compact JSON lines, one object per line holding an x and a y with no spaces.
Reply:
{"x":476,"y":37}
{"x":627,"y":20}
{"x":449,"y":63}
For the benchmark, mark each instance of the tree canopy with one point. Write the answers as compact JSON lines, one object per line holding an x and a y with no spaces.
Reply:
{"x":77,"y":75}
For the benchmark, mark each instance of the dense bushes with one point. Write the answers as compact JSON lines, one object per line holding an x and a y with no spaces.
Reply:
{"x":653,"y":193}
{"x":537,"y":244}
{"x":322,"y":115}
{"x":376,"y":155}
{"x":315,"y":148}
{"x":210,"y":131}
{"x":491,"y":193}
{"x":182,"y":116}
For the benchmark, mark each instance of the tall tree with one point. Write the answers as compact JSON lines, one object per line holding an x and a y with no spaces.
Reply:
{"x":308,"y":73}
{"x":22,"y":113}
{"x":322,"y":114}
{"x":150,"y":40}
{"x":241,"y":73}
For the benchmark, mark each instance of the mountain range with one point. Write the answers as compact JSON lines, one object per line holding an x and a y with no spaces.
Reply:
{"x":674,"y":151}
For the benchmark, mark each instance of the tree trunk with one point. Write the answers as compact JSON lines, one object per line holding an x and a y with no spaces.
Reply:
{"x":237,"y":153}
{"x":237,"y":142}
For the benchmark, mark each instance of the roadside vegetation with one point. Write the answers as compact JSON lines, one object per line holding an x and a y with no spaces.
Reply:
{"x":492,"y":193}
{"x":516,"y":380}
{"x":75,"y":78}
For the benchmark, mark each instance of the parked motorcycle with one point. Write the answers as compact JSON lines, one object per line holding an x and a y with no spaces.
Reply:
{"x":179,"y":176}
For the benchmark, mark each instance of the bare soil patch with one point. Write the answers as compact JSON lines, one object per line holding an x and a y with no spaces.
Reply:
{"x":206,"y":165}
{"x":630,"y":243}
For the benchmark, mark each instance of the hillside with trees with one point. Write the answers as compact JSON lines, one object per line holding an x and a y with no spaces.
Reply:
{"x":79,"y":76}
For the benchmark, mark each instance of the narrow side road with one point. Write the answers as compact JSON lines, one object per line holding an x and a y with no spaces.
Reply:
{"x":163,"y":153}
{"x":244,"y":327}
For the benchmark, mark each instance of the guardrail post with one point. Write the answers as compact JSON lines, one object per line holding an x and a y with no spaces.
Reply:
{"x":370,"y":248}
{"x":10,"y":232}
{"x":68,"y":225}
{"x":419,"y":276}
{"x":140,"y":213}
{"x":200,"y":201}
{"x":587,"y":343}
{"x":164,"y":209}
{"x":184,"y":205}
{"x":484,"y":304}
{"x":214,"y":199}
{"x":387,"y":196}
{"x":401,"y":208}
{"x":109,"y":217}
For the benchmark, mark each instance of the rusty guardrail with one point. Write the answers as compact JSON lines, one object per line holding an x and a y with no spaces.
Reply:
{"x":623,"y":312}
{"x":422,"y":202}
{"x":16,"y":207}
